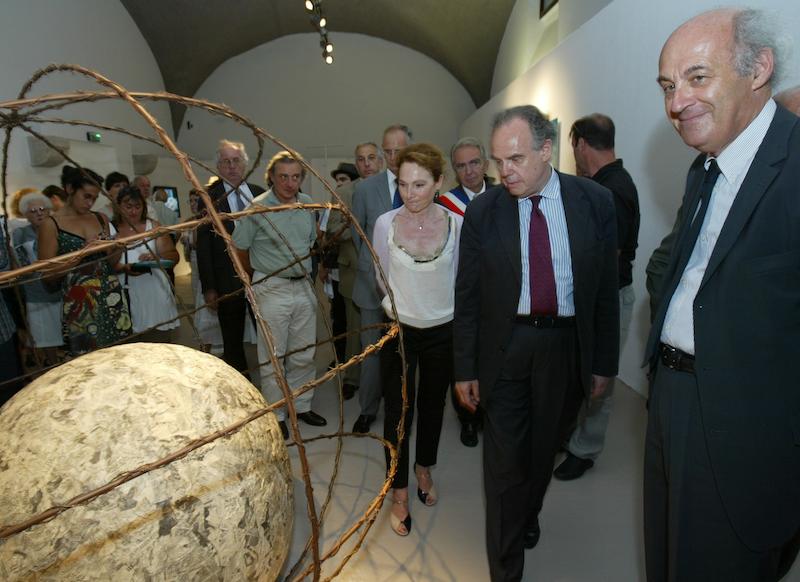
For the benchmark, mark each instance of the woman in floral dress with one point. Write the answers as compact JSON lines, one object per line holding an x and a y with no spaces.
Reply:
{"x":95,"y":313}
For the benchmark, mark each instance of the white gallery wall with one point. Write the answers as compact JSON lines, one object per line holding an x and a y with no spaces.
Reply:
{"x":609,"y":65}
{"x":528,"y":37}
{"x":97,"y":34}
{"x":322,"y":110}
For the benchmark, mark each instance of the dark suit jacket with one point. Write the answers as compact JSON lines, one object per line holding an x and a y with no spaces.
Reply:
{"x":747,"y":340}
{"x":490,"y":273}
{"x":213,"y":263}
{"x":370,"y":200}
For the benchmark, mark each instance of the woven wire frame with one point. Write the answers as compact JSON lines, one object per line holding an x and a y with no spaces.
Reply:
{"x":20,"y":113}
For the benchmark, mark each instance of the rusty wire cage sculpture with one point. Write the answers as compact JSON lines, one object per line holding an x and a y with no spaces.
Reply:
{"x":20,"y":113}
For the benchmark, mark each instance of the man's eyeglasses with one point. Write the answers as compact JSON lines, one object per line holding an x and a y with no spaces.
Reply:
{"x":38,"y":209}
{"x":230,"y":162}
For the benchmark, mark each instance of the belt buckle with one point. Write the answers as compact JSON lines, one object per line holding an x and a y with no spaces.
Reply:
{"x":670,"y":357}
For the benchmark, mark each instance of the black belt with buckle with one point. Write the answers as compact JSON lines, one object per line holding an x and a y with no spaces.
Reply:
{"x":676,"y":359}
{"x":546,"y":321}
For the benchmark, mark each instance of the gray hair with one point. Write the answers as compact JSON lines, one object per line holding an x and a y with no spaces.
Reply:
{"x":541,"y":127}
{"x":400,"y":127}
{"x":237,"y":145}
{"x":283,"y":157}
{"x":33,"y":198}
{"x":754,"y":31}
{"x":368,"y":143}
{"x":467,"y":142}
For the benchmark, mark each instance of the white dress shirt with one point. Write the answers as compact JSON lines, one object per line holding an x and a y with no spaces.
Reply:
{"x":392,"y":186}
{"x":470,"y":194}
{"x":247,"y":196}
{"x":734,"y":162}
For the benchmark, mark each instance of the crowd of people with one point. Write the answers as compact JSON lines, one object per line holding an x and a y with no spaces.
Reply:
{"x":516,"y":297}
{"x":91,"y":299}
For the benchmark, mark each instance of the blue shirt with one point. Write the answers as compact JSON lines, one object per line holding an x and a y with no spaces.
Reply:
{"x":552,"y":207}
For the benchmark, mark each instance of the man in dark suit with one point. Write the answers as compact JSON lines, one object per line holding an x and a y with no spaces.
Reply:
{"x":468,"y":158}
{"x":536,"y":322}
{"x":372,"y":197}
{"x":722,"y":461}
{"x":217,"y":276}
{"x":368,"y":162}
{"x":659,"y":260}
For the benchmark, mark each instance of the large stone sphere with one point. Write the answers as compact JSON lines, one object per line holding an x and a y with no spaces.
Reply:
{"x":224,"y":512}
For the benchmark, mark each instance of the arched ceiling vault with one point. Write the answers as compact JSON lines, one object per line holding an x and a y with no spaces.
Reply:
{"x":191,"y":38}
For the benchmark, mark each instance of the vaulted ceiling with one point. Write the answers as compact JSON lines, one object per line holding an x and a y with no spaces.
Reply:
{"x":191,"y":38}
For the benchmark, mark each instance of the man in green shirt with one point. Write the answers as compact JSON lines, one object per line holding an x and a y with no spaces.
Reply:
{"x":275,"y":241}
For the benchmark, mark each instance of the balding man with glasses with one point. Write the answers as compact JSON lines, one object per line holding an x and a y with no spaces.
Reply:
{"x":217,"y":276}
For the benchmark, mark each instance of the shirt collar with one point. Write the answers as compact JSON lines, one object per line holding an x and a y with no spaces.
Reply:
{"x":615,"y":165}
{"x":736,"y":158}
{"x":551,"y":190}
{"x":243,"y":188}
{"x":271,"y":199}
{"x":472,"y":194}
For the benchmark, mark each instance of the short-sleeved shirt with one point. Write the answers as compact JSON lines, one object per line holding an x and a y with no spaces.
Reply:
{"x":258,"y":234}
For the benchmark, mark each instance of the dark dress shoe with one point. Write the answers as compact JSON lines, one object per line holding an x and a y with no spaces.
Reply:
{"x":469,"y":434}
{"x":312,"y":418}
{"x":348,"y":391}
{"x":284,"y":429}
{"x":572,"y":467}
{"x":363,"y":423}
{"x":532,"y":534}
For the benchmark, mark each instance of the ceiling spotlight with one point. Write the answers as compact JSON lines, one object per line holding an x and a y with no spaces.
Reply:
{"x":329,"y":48}
{"x":309,"y":5}
{"x":323,"y":22}
{"x":329,"y":59}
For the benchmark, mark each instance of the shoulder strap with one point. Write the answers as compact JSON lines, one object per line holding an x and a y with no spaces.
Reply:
{"x":101,"y":219}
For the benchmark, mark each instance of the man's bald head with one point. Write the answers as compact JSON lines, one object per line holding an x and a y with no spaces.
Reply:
{"x":717,"y":71}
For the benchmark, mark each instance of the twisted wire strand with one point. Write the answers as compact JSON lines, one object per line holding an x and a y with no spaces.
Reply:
{"x":16,"y":117}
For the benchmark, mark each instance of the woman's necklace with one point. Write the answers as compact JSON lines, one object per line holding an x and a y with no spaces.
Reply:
{"x":419,"y":222}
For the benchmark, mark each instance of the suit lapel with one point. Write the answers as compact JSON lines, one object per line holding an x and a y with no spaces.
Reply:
{"x":506,"y":221}
{"x":577,"y":216}
{"x":763,"y":170}
{"x":679,"y":258}
{"x":384,"y":196}
{"x":674,"y":269}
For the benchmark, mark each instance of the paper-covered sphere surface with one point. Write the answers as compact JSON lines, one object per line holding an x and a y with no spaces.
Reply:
{"x":222,"y":512}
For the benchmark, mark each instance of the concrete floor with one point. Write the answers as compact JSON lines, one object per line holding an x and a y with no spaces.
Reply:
{"x":591,"y":527}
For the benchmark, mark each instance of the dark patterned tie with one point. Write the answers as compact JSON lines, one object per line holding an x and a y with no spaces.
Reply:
{"x":543,"y":280}
{"x":240,"y":203}
{"x":687,"y":245}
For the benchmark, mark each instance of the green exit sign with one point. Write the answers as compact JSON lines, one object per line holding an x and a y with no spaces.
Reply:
{"x":95,"y":136}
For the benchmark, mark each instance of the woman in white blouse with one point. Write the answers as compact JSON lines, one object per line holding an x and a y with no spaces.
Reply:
{"x":417,"y":246}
